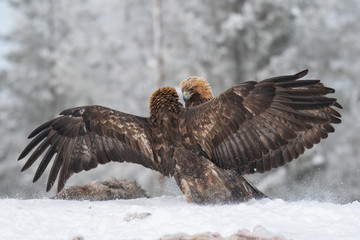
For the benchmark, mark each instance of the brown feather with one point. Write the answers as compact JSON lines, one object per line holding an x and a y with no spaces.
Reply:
{"x":46,"y":160}
{"x":56,"y":165}
{"x":197,"y":90}
{"x":289,"y":114}
{"x":32,"y":144}
{"x":83,"y":142}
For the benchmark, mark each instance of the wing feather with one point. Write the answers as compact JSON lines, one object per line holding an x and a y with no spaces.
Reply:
{"x":34,"y":143}
{"x":255,"y":127}
{"x":64,"y":173}
{"x":55,"y":168}
{"x":84,"y":137}
{"x":38,"y":151}
{"x":46,"y":160}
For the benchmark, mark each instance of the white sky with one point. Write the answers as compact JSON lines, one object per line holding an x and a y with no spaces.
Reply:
{"x":5,"y":27}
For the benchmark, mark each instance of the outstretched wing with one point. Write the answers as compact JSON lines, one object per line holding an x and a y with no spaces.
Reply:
{"x":257,"y":126}
{"x":83,"y":137}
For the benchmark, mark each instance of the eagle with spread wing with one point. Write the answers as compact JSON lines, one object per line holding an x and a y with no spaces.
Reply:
{"x":195,"y":91}
{"x":252,"y":127}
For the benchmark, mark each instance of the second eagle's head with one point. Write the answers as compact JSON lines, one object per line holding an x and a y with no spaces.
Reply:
{"x":164,"y":99}
{"x":195,"y":90}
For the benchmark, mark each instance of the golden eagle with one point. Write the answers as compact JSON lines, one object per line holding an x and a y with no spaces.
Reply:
{"x":196,"y":90}
{"x":252,"y":127}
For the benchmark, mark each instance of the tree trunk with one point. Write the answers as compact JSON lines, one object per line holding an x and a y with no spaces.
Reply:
{"x":158,"y":42}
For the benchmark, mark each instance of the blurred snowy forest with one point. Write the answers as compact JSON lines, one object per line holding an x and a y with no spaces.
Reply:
{"x":62,"y":54}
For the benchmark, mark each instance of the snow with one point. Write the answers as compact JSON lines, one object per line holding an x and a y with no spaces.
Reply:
{"x":61,"y":219}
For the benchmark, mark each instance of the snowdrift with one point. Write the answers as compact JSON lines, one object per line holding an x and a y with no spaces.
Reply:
{"x":166,"y":217}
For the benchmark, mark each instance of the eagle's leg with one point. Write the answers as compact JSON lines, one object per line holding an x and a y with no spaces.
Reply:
{"x":204,"y":183}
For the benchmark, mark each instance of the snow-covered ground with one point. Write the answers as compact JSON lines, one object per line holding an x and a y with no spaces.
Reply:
{"x":61,"y":219}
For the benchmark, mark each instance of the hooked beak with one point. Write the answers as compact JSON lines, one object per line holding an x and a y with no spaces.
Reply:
{"x":186,"y":95}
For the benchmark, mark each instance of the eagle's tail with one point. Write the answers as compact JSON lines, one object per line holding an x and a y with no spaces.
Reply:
{"x":241,"y":187}
{"x":209,"y":184}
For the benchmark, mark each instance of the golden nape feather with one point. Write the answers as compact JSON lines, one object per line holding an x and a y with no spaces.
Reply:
{"x":252,"y":127}
{"x":195,"y":90}
{"x":165,"y":98}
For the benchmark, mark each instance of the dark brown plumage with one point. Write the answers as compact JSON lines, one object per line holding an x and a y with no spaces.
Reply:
{"x":196,"y":90}
{"x":250,"y":127}
{"x":268,"y":123}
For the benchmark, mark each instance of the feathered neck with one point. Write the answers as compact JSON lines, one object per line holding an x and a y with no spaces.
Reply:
{"x":163,"y":101}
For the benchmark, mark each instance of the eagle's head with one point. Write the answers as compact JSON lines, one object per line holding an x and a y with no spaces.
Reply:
{"x":164,"y":99}
{"x":195,"y":89}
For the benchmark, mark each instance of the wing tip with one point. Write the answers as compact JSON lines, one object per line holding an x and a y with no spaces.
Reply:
{"x":27,"y":165}
{"x":40,"y":128}
{"x":338,"y":105}
{"x":61,"y":185}
{"x":24,"y":168}
{"x":302,"y":73}
{"x":49,"y":186}
{"x":21,"y":156}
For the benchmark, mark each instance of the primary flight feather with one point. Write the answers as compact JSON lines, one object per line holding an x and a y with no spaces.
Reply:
{"x":257,"y":126}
